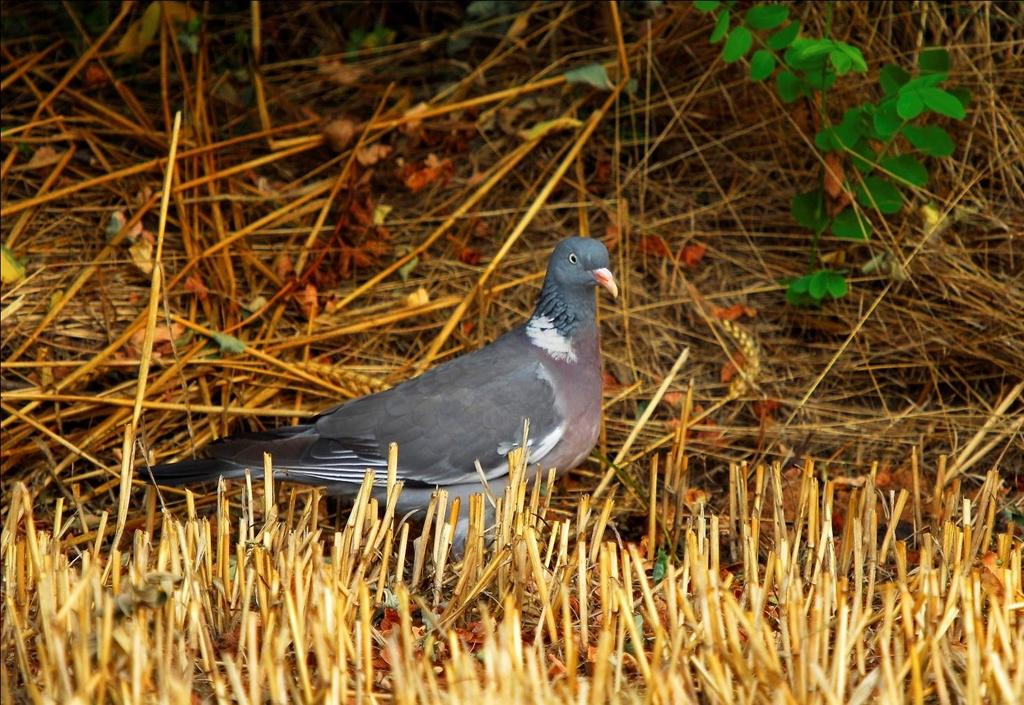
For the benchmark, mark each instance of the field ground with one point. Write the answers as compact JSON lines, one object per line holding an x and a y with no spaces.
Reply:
{"x":787,"y":505}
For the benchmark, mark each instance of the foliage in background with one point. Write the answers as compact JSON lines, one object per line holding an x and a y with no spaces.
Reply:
{"x":885,"y":139}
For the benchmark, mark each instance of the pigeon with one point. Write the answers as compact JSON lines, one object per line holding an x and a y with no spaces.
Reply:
{"x":467,"y":411}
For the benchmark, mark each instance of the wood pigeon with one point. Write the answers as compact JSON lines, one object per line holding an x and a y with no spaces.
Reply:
{"x":467,"y":410}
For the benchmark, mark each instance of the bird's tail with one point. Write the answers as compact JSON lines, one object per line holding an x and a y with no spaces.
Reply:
{"x":230,"y":457}
{"x":196,"y":470}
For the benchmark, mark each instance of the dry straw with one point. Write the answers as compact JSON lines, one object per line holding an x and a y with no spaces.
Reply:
{"x":289,"y":271}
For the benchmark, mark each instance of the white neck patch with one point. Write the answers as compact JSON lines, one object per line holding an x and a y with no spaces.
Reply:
{"x":542,"y":332}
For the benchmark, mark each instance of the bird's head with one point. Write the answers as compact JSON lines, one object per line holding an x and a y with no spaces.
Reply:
{"x":581,"y":262}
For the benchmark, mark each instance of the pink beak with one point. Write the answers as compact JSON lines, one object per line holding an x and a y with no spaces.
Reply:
{"x":605,"y":279}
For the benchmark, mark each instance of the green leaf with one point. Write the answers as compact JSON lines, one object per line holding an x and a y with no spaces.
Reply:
{"x":808,"y":209}
{"x":784,"y":37}
{"x":880,"y":193}
{"x":811,"y":289}
{"x":767,"y":16}
{"x":818,"y":286}
{"x":228,"y":343}
{"x":822,"y":79}
{"x":406,"y":269}
{"x":660,"y":569}
{"x":706,"y":5}
{"x":848,"y":225}
{"x":963,"y":95}
{"x":886,"y":120}
{"x":825,"y":140}
{"x":934,"y":60}
{"x":808,"y":54}
{"x":737,"y":45}
{"x":796,"y":292}
{"x":892,"y":78}
{"x":863,"y":157}
{"x":943,"y":102}
{"x":788,"y":86}
{"x":721,"y":27}
{"x":850,"y":129}
{"x":762,"y":63}
{"x":594,"y":75}
{"x":909,"y":105}
{"x":926,"y":81}
{"x":846,"y":58}
{"x":930,"y":139}
{"x":835,"y":285}
{"x":907,"y":169}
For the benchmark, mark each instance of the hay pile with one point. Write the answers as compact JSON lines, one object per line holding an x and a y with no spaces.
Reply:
{"x":348,"y":208}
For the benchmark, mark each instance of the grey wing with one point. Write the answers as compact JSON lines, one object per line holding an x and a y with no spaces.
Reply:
{"x":469,"y":409}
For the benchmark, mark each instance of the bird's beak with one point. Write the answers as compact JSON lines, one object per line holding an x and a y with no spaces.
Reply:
{"x":605,"y":279}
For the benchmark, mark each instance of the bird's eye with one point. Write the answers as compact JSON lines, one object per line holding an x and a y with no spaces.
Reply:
{"x":572,"y":258}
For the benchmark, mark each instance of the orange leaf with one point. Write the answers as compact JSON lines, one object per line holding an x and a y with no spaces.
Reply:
{"x":692,"y":254}
{"x":655,"y":245}
{"x":308,"y":300}
{"x":339,"y":132}
{"x":468,"y":255}
{"x":733,"y":312}
{"x":283,"y":265}
{"x":343,"y":74}
{"x":834,"y":174}
{"x":95,"y":76}
{"x":369,"y":155}
{"x":732,"y":366}
{"x":434,"y":169}
{"x":765,"y":408}
{"x":695,"y":496}
{"x":196,"y":286}
{"x":612,"y":236}
{"x":673,"y":398}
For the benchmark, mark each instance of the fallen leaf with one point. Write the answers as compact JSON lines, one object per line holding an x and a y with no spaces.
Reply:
{"x":196,"y":286}
{"x":734,"y":312}
{"x":411,"y":124}
{"x":673,"y":399}
{"x":694,"y":496}
{"x":655,"y":245}
{"x":711,"y":435}
{"x":692,"y":254}
{"x":141,"y":33}
{"x":594,"y":75}
{"x":610,"y":383}
{"x":163,"y":338}
{"x":434,"y":169}
{"x":308,"y":300}
{"x":834,"y":174}
{"x":141,"y":252}
{"x":765,"y":408}
{"x":343,"y":74}
{"x":283,"y":266}
{"x":255,"y":304}
{"x":369,"y":155}
{"x":339,"y":132}
{"x":732,"y":366}
{"x":380,"y":213}
{"x":94,"y":76}
{"x":420,"y":297}
{"x":44,"y":156}
{"x":406,"y":269}
{"x":228,"y":343}
{"x":612,"y":236}
{"x":11,"y":268}
{"x":467,"y":255}
{"x":544,"y":128}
